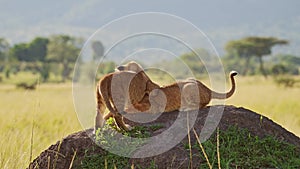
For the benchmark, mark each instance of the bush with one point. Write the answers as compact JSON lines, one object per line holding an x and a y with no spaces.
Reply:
{"x":285,"y":81}
{"x":278,"y":69}
{"x":27,"y":86}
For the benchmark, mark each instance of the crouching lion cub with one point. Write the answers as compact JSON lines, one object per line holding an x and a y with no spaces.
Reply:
{"x":184,"y":95}
{"x":118,"y":90}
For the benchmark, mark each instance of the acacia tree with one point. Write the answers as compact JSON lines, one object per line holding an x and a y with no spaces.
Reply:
{"x":20,"y":52}
{"x":254,"y":46}
{"x":242,"y":49}
{"x":37,"y":48}
{"x":98,"y":50}
{"x":194,"y":62}
{"x":4,"y":47}
{"x":63,"y":50}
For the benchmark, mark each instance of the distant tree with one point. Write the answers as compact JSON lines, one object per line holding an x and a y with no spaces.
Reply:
{"x":243,"y":50}
{"x":194,"y":60}
{"x":263,"y":47}
{"x":289,"y":62}
{"x":4,"y":48}
{"x":278,"y":69}
{"x":289,"y":59}
{"x":254,"y":46}
{"x":37,"y":49}
{"x":45,"y":71}
{"x":98,"y":49}
{"x":20,"y":52}
{"x":87,"y":65}
{"x":63,"y":49}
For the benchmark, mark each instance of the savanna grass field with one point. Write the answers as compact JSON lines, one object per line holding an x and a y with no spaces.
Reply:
{"x":32,"y":120}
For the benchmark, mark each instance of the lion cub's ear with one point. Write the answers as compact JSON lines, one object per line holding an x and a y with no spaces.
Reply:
{"x":120,"y":68}
{"x":133,"y":66}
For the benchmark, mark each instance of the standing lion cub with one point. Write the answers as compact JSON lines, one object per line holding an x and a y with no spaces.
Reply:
{"x":120,"y":89}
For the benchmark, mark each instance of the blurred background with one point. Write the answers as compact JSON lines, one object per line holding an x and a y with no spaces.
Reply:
{"x":40,"y":41}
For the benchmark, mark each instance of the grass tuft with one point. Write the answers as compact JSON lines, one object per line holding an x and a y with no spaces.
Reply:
{"x":109,"y":137}
{"x":240,"y":149}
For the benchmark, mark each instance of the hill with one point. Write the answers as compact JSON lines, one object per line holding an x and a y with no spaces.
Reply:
{"x":221,"y":21}
{"x":247,"y":140}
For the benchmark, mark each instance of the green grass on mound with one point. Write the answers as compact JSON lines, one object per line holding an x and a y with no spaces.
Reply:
{"x":106,"y":136}
{"x":237,"y":149}
{"x":240,"y":149}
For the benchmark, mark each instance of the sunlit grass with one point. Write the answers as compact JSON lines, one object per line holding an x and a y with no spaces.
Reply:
{"x":51,"y":109}
{"x":27,"y":77}
{"x":263,"y":96}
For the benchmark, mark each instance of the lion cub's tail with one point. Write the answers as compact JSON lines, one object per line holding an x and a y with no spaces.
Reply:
{"x":216,"y":95}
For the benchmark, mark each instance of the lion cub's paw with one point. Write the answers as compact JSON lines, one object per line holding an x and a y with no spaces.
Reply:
{"x":129,"y":128}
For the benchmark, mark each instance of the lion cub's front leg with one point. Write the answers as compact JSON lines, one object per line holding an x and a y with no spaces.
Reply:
{"x":119,"y":121}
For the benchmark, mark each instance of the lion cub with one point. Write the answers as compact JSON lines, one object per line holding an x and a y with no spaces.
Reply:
{"x":118,"y":90}
{"x":183,"y":95}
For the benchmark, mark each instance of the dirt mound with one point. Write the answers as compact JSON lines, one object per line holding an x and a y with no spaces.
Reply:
{"x":71,"y":150}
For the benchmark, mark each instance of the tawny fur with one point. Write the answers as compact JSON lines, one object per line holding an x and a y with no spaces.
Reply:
{"x":118,"y":90}
{"x":146,"y":96}
{"x":182,"y":95}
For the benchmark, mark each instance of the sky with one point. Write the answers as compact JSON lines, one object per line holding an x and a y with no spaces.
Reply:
{"x":221,"y":20}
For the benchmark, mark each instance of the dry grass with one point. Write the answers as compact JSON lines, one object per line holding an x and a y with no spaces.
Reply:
{"x":263,"y":96}
{"x":51,"y":109}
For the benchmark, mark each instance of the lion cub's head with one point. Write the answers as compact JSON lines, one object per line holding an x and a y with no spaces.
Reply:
{"x":130,"y":66}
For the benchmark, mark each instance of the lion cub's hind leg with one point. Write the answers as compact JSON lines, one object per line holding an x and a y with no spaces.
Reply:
{"x":120,"y":103}
{"x":190,"y":98}
{"x":99,"y":121}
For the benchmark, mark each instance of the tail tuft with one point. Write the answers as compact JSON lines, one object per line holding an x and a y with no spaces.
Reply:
{"x":233,"y":73}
